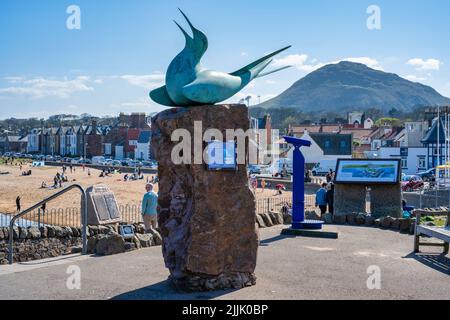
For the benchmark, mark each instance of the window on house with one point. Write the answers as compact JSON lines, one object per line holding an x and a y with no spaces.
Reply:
{"x":327,"y":144}
{"x":436,"y":151}
{"x":421,"y":163}
{"x":404,"y":163}
{"x":343,"y":144}
{"x":108,"y":149}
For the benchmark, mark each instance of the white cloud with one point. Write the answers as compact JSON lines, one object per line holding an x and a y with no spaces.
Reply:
{"x":414,"y":78}
{"x":298,"y":61}
{"x":40,"y":87}
{"x":145,"y":81}
{"x":244,"y":54}
{"x":14,"y":79}
{"x":141,"y":104}
{"x":370,"y":62}
{"x":303,"y":63}
{"x":421,"y":64}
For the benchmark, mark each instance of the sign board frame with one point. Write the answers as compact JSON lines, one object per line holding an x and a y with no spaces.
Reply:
{"x":226,"y":147}
{"x":363,"y":169}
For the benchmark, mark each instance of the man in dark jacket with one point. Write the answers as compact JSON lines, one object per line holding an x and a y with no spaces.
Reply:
{"x":18,"y":203}
{"x":330,"y":198}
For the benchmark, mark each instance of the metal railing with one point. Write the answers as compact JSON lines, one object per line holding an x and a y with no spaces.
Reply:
{"x":276,"y":203}
{"x":39,"y":205}
{"x":131,"y":213}
{"x":69,"y":217}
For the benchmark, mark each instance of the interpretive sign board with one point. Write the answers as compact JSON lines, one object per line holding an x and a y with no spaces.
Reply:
{"x":221,"y":155}
{"x":102,"y":206}
{"x":368,"y":171}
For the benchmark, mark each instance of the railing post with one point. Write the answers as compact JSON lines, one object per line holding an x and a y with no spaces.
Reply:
{"x":84,"y":221}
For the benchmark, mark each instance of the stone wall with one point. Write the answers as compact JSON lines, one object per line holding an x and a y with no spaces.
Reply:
{"x":34,"y":243}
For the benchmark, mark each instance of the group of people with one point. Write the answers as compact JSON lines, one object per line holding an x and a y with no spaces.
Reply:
{"x":325,"y":198}
{"x":10,"y":161}
{"x":59,"y":179}
{"x":325,"y":195}
{"x":134,"y":177}
{"x":266,"y":184}
{"x":26,"y":173}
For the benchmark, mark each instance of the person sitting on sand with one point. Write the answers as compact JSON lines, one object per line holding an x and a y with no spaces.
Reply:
{"x":280,"y":188}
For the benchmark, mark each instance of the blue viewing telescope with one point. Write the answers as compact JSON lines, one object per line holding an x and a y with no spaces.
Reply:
{"x":298,"y":187}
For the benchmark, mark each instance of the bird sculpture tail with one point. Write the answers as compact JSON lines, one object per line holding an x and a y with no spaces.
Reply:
{"x":255,"y":69}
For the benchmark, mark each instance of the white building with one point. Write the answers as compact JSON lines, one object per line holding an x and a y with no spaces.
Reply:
{"x":355,"y":117}
{"x":33,"y":141}
{"x":67,"y":141}
{"x":143,"y":146}
{"x":415,"y":131}
{"x":413,"y":159}
{"x":368,"y":123}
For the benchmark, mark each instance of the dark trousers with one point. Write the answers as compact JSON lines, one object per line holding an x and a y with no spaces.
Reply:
{"x":323,"y":209}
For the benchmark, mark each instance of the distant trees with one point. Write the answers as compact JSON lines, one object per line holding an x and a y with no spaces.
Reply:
{"x":23,"y":126}
{"x":281,"y":117}
{"x":392,"y":122}
{"x":374,"y":113}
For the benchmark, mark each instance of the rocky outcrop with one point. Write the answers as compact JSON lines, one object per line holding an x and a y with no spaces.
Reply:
{"x":110,"y":244}
{"x":207,"y":218}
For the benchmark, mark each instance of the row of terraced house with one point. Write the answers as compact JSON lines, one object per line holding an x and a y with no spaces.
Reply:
{"x":128,"y":138}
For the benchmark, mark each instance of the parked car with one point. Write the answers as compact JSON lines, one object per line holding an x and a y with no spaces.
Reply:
{"x":85,"y":161}
{"x":254,"y":169}
{"x":98,"y":160}
{"x":412,"y":183}
{"x":429,"y":175}
{"x":323,"y":167}
{"x":76,"y":160}
{"x":134,"y":163}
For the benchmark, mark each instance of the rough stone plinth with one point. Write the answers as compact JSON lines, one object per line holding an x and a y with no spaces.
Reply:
{"x":207,"y":218}
{"x":386,"y":200}
{"x":349,"y":198}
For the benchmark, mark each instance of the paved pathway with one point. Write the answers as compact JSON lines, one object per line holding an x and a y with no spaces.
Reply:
{"x":288,"y":268}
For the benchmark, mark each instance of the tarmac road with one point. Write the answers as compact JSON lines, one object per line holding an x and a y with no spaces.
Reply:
{"x":288,"y":268}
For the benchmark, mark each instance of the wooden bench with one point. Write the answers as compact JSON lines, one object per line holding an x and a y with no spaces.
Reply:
{"x":441,"y":233}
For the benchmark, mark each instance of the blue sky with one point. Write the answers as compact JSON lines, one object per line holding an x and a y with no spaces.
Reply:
{"x":123,"y":47}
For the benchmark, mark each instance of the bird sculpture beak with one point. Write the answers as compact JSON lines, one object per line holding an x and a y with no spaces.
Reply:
{"x":188,"y":37}
{"x":188,"y":21}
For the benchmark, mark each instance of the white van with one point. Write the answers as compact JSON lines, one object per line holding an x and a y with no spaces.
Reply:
{"x":98,"y":160}
{"x":323,"y":167}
